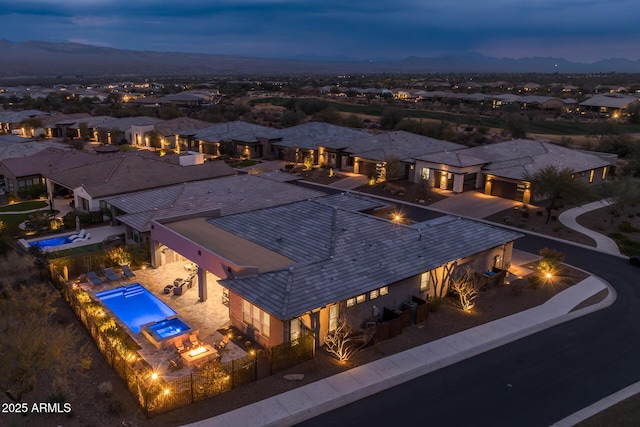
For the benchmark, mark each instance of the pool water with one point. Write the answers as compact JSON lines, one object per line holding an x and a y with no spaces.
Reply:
{"x":169,"y":328}
{"x":53,"y":241}
{"x":135,"y":305}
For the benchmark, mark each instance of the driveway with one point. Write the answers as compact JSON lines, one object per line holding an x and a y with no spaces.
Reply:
{"x":473,"y":204}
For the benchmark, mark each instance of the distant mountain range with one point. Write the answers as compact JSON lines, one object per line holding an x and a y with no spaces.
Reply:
{"x":44,"y":59}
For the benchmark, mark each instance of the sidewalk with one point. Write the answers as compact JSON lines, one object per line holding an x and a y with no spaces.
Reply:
{"x":330,"y":393}
{"x":568,"y":218}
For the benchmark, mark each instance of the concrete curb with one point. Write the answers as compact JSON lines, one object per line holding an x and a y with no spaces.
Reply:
{"x":333,"y":392}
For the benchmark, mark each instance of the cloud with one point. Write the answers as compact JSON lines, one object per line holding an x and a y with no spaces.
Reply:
{"x":374,"y":28}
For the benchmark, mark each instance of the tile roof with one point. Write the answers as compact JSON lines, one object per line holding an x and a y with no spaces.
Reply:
{"x":18,"y":116}
{"x":340,"y":254}
{"x":235,"y":131}
{"x":174,"y":126}
{"x":129,"y":172}
{"x":231,"y":195}
{"x":404,"y":145}
{"x":611,"y":100}
{"x":314,"y":134}
{"x":514,"y":159}
{"x":48,"y":161}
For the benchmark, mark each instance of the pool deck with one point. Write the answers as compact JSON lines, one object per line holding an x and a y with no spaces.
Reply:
{"x":205,"y":317}
{"x":97,"y":235}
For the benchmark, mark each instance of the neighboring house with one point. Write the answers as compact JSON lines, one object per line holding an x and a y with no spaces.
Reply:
{"x":304,"y":140}
{"x":22,"y":173}
{"x":307,"y":264}
{"x":370,"y":155}
{"x":133,"y":128}
{"x":500,"y":168}
{"x":126,"y":172}
{"x":169,"y":130}
{"x":611,"y":104}
{"x":10,"y":121}
{"x":212,"y":197}
{"x":239,"y":138}
{"x":59,"y":125}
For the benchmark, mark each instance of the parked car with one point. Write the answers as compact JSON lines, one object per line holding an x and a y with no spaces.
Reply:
{"x":635,"y":260}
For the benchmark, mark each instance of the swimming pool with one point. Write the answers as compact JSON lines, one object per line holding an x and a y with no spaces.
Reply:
{"x":135,"y":305}
{"x":51,"y":242}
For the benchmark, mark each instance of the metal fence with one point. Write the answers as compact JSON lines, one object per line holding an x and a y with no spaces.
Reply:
{"x":157,"y":395}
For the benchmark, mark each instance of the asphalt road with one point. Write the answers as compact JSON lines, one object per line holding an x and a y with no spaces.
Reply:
{"x":535,"y":381}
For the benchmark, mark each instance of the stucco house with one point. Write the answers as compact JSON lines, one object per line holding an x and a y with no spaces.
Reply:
{"x":240,"y":138}
{"x":213,"y":197}
{"x":305,"y":265}
{"x":125,"y":172}
{"x":500,"y":169}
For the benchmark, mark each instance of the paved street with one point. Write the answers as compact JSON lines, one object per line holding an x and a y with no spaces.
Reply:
{"x":534,"y":381}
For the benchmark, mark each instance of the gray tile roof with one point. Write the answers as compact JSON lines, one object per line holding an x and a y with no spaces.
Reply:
{"x":49,"y":161}
{"x":404,"y":145}
{"x":18,"y":116}
{"x":611,"y":100}
{"x":174,"y":126}
{"x":314,"y":134}
{"x":128,"y":172}
{"x":231,"y":195}
{"x":513,"y":159}
{"x":235,"y":131}
{"x":341,"y":254}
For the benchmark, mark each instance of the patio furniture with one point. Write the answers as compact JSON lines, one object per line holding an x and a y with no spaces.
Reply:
{"x":177,"y":290}
{"x":179,"y":345}
{"x":175,"y":363}
{"x":93,"y":278}
{"x":111,"y":275}
{"x":194,"y":341}
{"x":126,"y":270}
{"x":223,"y":343}
{"x":83,"y":238}
{"x":168,"y":289}
{"x":77,"y":235}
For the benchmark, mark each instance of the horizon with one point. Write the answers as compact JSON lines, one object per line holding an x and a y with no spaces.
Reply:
{"x":584,"y":31}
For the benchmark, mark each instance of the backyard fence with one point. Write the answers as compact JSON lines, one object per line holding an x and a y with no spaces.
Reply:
{"x":157,"y":394}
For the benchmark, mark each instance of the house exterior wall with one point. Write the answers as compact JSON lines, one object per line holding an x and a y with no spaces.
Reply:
{"x":83,"y":200}
{"x":135,"y":134}
{"x":276,"y":329}
{"x":458,"y":174}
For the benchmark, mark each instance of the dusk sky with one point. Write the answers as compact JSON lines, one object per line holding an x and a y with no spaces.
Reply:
{"x":578,"y":30}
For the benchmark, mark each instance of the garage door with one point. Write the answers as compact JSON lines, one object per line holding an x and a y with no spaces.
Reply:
{"x":506,"y":190}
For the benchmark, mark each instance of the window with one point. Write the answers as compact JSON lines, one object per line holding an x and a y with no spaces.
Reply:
{"x":258,"y":319}
{"x":384,"y":290}
{"x":591,"y":175}
{"x":361,"y":298}
{"x":373,"y":294}
{"x":426,"y":173}
{"x":351,"y":302}
{"x":333,"y":317}
{"x":604,"y":172}
{"x":295,"y":331}
{"x":425,"y":282}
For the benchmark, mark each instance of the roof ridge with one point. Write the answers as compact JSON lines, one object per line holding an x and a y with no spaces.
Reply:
{"x":113,"y":170}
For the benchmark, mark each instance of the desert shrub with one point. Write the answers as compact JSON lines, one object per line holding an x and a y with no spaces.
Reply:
{"x":627,"y":227}
{"x":116,"y":407}
{"x":435,"y":304}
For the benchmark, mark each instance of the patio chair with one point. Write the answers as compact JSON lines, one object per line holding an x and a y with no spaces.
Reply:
{"x":77,"y":235}
{"x":223,"y":343}
{"x":177,"y":290}
{"x":111,"y":275}
{"x":175,"y":363}
{"x":93,"y":278}
{"x":179,"y":345}
{"x":126,"y":270}
{"x":83,"y":238}
{"x":194,"y":341}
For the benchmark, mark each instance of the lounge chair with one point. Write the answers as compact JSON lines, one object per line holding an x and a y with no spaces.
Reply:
{"x":111,"y":275}
{"x":194,"y":341}
{"x":93,"y":278}
{"x":180,"y":346}
{"x":126,"y":270}
{"x":80,"y":239}
{"x":223,"y":343}
{"x":77,"y":235}
{"x":177,"y":290}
